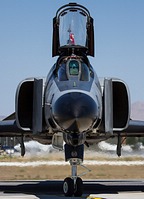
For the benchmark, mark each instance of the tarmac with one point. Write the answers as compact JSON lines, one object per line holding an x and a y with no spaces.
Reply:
{"x":93,"y":189}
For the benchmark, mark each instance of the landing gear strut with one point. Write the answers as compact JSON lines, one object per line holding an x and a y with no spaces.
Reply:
{"x":119,"y":144}
{"x":22,"y":146}
{"x":73,"y":185}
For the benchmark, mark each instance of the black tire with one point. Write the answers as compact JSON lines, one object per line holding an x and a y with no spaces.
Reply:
{"x":68,"y":187}
{"x":78,"y":188}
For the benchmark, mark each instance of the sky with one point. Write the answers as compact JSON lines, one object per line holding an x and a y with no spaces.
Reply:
{"x":26,"y":43}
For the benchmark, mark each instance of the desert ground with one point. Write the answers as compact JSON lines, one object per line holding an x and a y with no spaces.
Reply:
{"x":60,"y":172}
{"x":44,"y":172}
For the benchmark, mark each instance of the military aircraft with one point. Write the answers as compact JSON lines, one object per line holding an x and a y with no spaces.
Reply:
{"x":72,"y":105}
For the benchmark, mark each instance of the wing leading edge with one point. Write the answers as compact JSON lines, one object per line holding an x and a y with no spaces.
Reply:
{"x":8,"y":127}
{"x":134,"y":129}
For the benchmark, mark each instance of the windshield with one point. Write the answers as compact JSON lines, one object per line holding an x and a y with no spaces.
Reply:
{"x":73,"y":67}
{"x":72,"y":28}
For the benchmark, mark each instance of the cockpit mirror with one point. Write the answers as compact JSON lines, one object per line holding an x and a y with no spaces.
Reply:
{"x":73,"y":30}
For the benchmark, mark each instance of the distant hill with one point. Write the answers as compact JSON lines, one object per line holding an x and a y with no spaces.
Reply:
{"x":137,"y":110}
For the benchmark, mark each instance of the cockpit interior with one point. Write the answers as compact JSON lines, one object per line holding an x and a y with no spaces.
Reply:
{"x":73,"y":68}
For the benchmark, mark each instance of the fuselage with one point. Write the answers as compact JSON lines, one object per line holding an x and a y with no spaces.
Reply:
{"x":73,"y":97}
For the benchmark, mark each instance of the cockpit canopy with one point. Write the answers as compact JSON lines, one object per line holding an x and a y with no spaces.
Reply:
{"x":73,"y":30}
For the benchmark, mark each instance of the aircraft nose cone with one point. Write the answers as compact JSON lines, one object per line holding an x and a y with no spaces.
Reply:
{"x":75,"y":111}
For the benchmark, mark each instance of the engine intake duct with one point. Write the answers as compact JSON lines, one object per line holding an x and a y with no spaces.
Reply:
{"x":28,"y":103}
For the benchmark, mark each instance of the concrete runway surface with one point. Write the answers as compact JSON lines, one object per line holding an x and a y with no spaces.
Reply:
{"x":93,"y":189}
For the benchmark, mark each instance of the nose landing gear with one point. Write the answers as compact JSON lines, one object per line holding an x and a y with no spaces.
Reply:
{"x":74,"y":185}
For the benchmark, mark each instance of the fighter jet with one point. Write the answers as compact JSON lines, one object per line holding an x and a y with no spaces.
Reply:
{"x":72,"y":105}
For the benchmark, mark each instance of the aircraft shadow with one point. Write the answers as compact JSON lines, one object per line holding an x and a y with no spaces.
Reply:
{"x":111,"y":187}
{"x":55,"y":187}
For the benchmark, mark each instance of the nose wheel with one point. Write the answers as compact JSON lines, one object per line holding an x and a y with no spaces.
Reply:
{"x":68,"y":187}
{"x":78,"y":191}
{"x":73,"y":187}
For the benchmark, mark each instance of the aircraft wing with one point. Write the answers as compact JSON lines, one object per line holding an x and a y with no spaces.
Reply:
{"x":8,"y":127}
{"x":10,"y":117}
{"x":134,"y":129}
{"x":136,"y":126}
